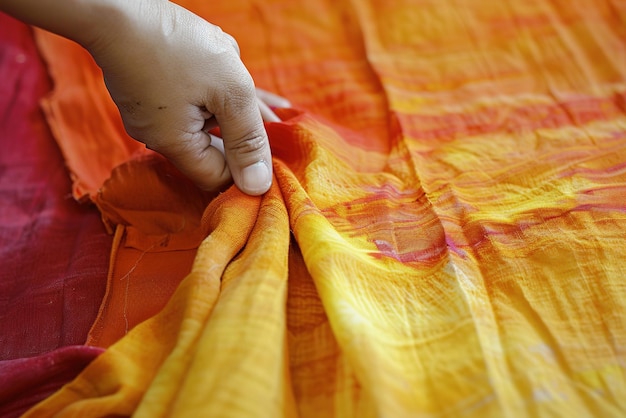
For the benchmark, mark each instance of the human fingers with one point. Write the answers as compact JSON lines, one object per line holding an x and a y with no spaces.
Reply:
{"x":271,"y":99}
{"x":200,"y":156}
{"x":246,"y":145}
{"x":267,"y":113}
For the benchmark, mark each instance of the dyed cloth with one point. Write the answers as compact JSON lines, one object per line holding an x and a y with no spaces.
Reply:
{"x":53,"y":252}
{"x":445,"y":235}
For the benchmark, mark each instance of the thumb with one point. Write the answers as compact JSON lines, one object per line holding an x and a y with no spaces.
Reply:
{"x":246,"y":145}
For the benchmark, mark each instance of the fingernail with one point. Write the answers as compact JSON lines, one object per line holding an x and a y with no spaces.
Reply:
{"x":256,"y":178}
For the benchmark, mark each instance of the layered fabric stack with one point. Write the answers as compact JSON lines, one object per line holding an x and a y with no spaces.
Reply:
{"x":445,"y":236}
{"x":53,"y":251}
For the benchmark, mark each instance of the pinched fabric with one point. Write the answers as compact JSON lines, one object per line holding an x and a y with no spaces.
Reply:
{"x":445,"y":235}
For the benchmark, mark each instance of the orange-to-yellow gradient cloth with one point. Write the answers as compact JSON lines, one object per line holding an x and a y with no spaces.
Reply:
{"x":445,"y":236}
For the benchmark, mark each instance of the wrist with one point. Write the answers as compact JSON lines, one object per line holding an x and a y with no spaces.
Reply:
{"x":86,"y":22}
{"x":100,"y":20}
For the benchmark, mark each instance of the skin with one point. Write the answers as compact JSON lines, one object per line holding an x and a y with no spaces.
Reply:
{"x":173,"y":76}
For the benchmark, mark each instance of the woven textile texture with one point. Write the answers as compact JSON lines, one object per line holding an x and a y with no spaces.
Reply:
{"x":445,"y":236}
{"x":53,"y":251}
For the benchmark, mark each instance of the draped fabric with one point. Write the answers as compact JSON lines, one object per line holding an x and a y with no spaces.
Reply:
{"x":53,"y":251}
{"x":445,"y":235}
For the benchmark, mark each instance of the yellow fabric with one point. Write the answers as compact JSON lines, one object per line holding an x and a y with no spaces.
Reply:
{"x":454,"y":181}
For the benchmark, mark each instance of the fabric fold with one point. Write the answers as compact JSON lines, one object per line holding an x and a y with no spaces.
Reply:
{"x":444,"y":237}
{"x":27,"y":381}
{"x":116,"y":381}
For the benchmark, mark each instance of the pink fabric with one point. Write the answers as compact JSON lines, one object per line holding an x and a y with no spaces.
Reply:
{"x":27,"y":381}
{"x":53,"y":252}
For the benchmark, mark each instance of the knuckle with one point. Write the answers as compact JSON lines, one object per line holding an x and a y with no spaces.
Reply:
{"x":240,"y":94}
{"x":233,"y":42}
{"x":250,"y":144}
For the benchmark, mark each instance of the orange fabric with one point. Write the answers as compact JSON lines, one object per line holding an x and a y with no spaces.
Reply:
{"x":156,"y":238}
{"x":81,"y":103}
{"x":455,"y":185}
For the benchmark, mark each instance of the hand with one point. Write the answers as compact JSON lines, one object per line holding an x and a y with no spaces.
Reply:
{"x":173,"y":77}
{"x":266,"y":102}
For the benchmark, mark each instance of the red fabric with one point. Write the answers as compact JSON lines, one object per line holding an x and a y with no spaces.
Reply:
{"x":27,"y":381}
{"x":54,"y":252}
